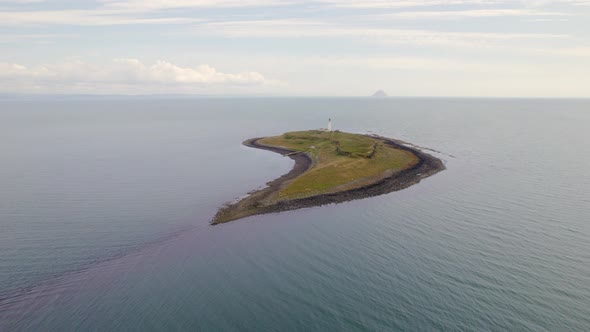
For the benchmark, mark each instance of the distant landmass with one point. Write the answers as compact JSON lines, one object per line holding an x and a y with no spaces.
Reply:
{"x":380,"y":94}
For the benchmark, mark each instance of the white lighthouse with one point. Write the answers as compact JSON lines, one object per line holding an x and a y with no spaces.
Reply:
{"x":330,"y":124}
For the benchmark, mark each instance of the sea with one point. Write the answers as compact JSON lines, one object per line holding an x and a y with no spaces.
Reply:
{"x":106,"y":203}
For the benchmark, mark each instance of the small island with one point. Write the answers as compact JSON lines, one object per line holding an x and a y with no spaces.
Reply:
{"x":332,"y":167}
{"x":380,"y":94}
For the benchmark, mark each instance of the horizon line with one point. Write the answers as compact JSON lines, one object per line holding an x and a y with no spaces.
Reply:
{"x":220,"y":96}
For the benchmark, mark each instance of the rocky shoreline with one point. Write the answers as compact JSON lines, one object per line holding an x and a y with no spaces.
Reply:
{"x":254,"y":204}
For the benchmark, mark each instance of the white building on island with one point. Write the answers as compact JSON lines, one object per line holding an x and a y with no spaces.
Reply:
{"x":329,"y":124}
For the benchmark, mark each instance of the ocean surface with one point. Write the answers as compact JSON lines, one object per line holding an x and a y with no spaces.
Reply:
{"x":105,"y":206}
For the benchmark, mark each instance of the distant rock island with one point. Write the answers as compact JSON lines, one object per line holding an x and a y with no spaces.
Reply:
{"x":332,"y":167}
{"x":380,"y":94}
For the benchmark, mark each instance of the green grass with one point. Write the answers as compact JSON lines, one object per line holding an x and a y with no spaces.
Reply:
{"x":341,"y":161}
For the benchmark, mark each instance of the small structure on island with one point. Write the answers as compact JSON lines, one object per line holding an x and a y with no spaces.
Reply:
{"x":329,"y":124}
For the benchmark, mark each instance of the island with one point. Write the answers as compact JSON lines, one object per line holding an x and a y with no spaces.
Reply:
{"x":332,"y":167}
{"x":380,"y":94}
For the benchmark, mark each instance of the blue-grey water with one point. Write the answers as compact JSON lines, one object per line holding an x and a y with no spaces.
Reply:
{"x":105,"y":207}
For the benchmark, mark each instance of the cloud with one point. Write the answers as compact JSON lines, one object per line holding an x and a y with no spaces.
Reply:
{"x":152,"y":5}
{"x":384,"y":4}
{"x":315,"y":29}
{"x":160,"y":76}
{"x":82,"y":18}
{"x":396,"y":63}
{"x":116,"y":12}
{"x":571,"y":51}
{"x":476,"y":13}
{"x":399,"y":63}
{"x":126,"y":12}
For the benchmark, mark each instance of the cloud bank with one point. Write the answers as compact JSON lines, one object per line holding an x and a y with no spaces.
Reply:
{"x":129,"y":74}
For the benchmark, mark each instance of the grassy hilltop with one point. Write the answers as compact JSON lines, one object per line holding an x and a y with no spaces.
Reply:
{"x":341,"y":161}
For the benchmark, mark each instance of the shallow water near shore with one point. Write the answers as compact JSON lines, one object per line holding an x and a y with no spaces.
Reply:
{"x":105,"y":207}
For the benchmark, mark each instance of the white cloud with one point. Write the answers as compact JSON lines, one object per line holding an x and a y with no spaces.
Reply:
{"x":392,"y":4}
{"x":414,"y":64}
{"x":382,"y":4}
{"x":571,"y":51}
{"x":476,"y":13}
{"x":125,"y":12}
{"x":400,"y":63}
{"x":151,"y":5}
{"x":314,"y":29}
{"x":160,"y":76}
{"x":82,"y":17}
{"x":116,"y":12}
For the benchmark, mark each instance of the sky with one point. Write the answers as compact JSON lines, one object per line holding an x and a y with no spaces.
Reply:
{"x":471,"y":48}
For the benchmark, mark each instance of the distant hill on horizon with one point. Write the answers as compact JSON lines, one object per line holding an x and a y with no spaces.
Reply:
{"x":380,"y":94}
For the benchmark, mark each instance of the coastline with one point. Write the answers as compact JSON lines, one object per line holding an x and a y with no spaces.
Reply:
{"x":253,"y":204}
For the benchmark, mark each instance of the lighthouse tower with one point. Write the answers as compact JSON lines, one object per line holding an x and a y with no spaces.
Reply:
{"x":330,"y":124}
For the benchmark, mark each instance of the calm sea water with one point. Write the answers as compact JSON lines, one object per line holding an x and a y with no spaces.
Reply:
{"x":105,"y":205}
